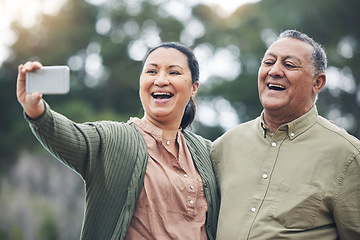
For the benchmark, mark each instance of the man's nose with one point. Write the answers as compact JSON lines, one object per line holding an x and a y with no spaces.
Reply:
{"x":276,"y":70}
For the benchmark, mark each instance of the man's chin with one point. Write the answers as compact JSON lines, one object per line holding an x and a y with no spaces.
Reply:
{"x":274,"y":104}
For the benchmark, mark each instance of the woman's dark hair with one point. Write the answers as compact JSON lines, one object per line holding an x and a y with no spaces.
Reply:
{"x":190,"y":109}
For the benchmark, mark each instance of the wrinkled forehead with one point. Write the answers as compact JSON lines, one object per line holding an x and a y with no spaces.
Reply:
{"x":285,"y":47}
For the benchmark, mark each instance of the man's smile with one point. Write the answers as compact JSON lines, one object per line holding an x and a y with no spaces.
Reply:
{"x":276,"y":87}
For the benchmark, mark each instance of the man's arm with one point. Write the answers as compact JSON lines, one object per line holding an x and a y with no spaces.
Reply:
{"x":347,"y":207}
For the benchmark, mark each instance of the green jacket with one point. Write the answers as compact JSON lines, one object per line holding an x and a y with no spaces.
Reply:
{"x":111,"y":157}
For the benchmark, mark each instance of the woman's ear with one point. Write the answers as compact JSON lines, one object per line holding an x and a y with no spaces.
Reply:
{"x":195,"y":88}
{"x":319,"y":82}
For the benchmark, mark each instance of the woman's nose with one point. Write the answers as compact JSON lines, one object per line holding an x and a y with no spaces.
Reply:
{"x":161,"y":79}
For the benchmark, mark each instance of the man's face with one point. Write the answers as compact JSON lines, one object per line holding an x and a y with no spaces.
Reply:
{"x":285,"y":79}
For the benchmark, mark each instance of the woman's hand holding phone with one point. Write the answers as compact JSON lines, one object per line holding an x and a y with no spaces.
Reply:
{"x":31,"y":102}
{"x":34,"y":80}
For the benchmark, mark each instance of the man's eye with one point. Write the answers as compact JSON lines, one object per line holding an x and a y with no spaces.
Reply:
{"x":174,"y":73}
{"x":268,"y":63}
{"x":290,"y":65}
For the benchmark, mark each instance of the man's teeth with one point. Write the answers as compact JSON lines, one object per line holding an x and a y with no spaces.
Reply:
{"x":276,"y":87}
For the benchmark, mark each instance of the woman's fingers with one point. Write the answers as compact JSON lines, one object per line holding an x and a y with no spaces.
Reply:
{"x":29,"y":101}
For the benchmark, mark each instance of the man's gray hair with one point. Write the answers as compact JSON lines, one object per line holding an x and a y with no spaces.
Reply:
{"x":318,"y":57}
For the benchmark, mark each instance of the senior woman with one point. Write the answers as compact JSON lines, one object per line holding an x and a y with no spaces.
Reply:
{"x":148,"y":178}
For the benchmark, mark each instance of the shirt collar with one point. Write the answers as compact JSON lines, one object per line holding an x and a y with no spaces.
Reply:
{"x":294,"y":128}
{"x":150,"y":128}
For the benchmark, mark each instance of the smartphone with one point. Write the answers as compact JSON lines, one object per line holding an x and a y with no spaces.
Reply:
{"x":48,"y":80}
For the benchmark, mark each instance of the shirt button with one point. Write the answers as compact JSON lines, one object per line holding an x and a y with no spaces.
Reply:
{"x":265,"y":176}
{"x":292,"y":134}
{"x":273,"y":144}
{"x":185,"y":175}
{"x":191,"y":202}
{"x":253,"y":209}
{"x":191,"y":187}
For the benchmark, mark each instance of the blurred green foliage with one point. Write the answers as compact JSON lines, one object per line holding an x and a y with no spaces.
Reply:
{"x":48,"y":228}
{"x":113,"y":94}
{"x":109,"y":91}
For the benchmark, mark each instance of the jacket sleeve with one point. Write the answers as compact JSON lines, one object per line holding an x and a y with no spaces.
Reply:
{"x":76,"y":145}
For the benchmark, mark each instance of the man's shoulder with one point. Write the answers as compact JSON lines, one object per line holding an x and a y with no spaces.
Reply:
{"x":245,"y":126}
{"x":242,"y":130}
{"x":338,"y":134}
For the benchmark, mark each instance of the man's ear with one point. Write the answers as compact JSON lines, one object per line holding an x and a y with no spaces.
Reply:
{"x":319,"y":82}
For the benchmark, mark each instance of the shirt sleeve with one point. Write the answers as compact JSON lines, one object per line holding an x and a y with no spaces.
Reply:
{"x":76,"y":145}
{"x":347,"y":208}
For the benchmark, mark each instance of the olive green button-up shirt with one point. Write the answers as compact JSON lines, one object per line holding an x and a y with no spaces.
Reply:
{"x":302,"y":182}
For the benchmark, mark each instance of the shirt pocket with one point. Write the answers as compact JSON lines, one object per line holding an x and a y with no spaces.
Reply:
{"x":296,"y":206}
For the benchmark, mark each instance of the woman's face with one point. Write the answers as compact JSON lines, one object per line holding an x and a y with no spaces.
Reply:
{"x":166,"y":86}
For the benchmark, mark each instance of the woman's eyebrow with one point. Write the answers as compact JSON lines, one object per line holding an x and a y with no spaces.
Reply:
{"x":152,"y":64}
{"x":172,"y":66}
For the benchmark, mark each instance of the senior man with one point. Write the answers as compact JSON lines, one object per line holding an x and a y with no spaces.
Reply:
{"x":290,"y":173}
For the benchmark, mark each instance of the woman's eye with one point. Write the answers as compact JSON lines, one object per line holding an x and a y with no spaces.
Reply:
{"x":151,"y":71}
{"x":174,"y":73}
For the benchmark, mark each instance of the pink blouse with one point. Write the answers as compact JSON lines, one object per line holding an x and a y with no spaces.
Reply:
{"x":172,"y":204}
